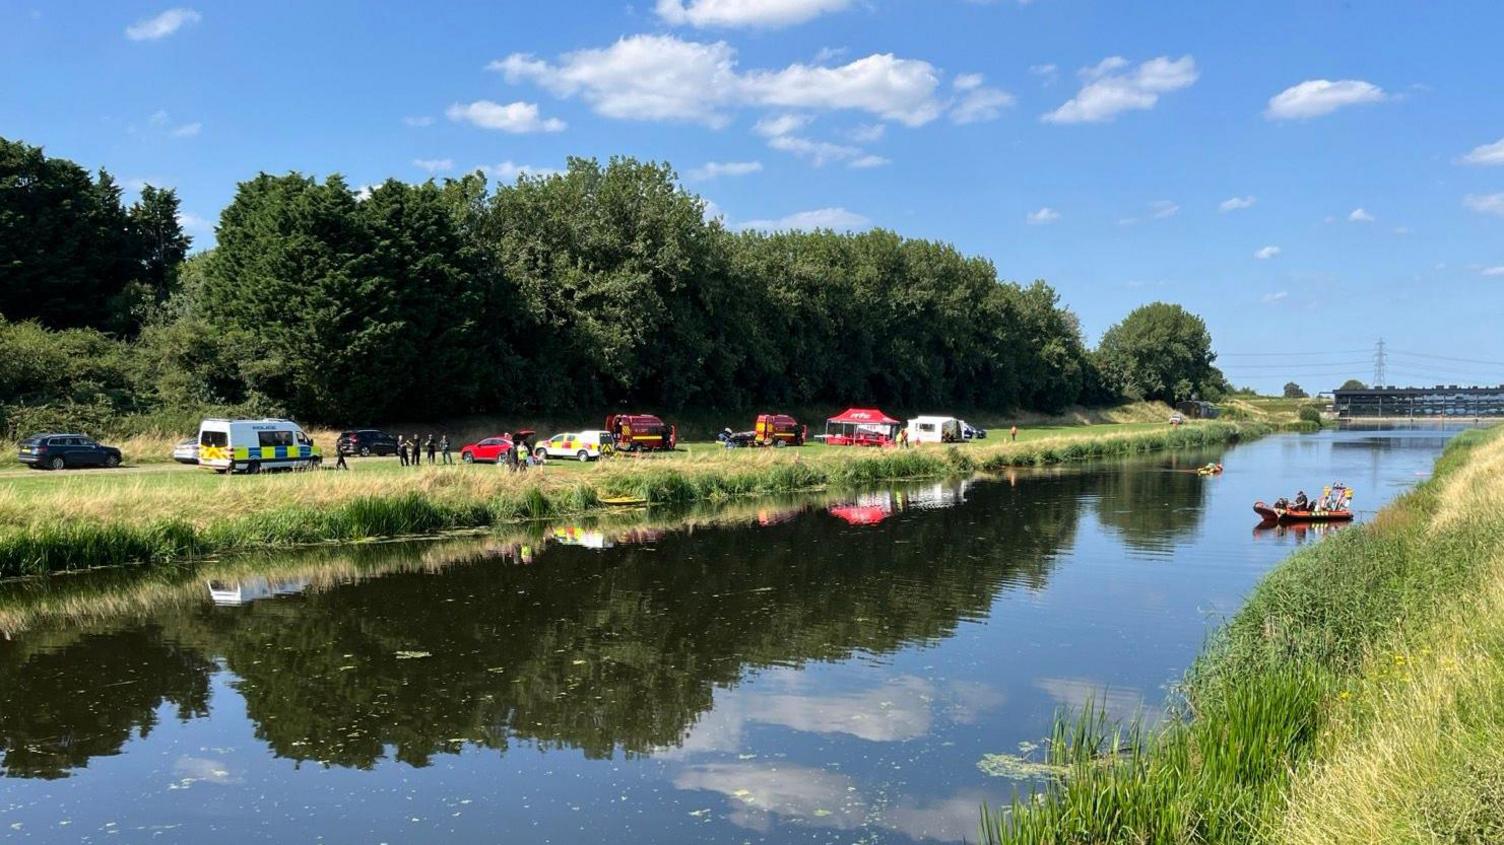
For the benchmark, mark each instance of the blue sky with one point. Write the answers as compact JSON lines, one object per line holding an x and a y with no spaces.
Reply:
{"x":1308,"y":176}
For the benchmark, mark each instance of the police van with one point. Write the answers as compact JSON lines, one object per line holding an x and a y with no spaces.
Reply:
{"x":255,"y":445}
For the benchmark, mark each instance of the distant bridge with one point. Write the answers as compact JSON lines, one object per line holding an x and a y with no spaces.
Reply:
{"x":1443,"y":400}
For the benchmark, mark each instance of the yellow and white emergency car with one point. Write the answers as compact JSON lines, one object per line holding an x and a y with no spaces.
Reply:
{"x":255,"y":445}
{"x":581,"y":445}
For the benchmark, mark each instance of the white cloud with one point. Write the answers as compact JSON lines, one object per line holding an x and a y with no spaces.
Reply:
{"x":516,"y":118}
{"x":1277,"y":296}
{"x":1402,"y":231}
{"x":782,"y":124}
{"x":1043,"y":216}
{"x":716,"y":169}
{"x":818,"y":153}
{"x":1108,"y":93}
{"x":825,"y":55}
{"x":162,"y":121}
{"x":661,"y":77}
{"x":1493,"y":271}
{"x":434,"y":165}
{"x":1047,"y":72}
{"x":867,"y":133}
{"x":1266,"y":253}
{"x":1485,"y":203}
{"x":977,"y":102}
{"x":763,"y":14}
{"x":712,"y":211}
{"x":779,"y":129}
{"x":508,"y":171}
{"x":1236,"y":204}
{"x":194,"y":223}
{"x":1359,"y":215}
{"x":163,"y":25}
{"x":419,"y":120}
{"x":1160,"y":209}
{"x":821,"y":218}
{"x":1317,"y":97}
{"x":967,"y":81}
{"x":1486,"y":154}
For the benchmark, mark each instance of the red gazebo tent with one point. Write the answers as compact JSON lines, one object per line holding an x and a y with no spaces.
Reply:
{"x":861,"y":427}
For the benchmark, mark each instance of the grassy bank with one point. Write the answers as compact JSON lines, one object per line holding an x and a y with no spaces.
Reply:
{"x":97,"y":520}
{"x":1357,"y":697}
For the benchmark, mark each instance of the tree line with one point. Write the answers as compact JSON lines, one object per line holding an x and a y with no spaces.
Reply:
{"x":601,"y":286}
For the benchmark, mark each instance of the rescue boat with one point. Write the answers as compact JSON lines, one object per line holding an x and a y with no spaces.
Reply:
{"x":1286,"y":516}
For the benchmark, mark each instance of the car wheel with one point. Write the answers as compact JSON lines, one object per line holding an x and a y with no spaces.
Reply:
{"x":541,"y":453}
{"x":467,"y":457}
{"x":111,"y":461}
{"x":253,"y":467}
{"x":779,"y":444}
{"x":583,"y":455}
{"x":365,"y":451}
{"x":57,"y":463}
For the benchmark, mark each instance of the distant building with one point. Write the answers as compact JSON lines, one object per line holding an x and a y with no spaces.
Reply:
{"x":1443,"y":400}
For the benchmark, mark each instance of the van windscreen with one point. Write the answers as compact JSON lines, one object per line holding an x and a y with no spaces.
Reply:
{"x":218,"y":439}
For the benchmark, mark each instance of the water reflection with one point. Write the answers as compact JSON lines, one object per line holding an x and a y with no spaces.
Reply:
{"x":763,"y":670}
{"x":610,"y":649}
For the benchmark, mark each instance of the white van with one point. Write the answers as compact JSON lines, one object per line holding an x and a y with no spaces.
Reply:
{"x":934,"y":430}
{"x":255,"y":445}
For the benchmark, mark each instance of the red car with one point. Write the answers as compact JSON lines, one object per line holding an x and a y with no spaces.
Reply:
{"x":487,"y":451}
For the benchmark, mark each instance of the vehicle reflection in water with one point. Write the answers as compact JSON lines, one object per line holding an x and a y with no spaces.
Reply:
{"x":700,"y":674}
{"x":874,"y":507}
{"x":1299,"y":532}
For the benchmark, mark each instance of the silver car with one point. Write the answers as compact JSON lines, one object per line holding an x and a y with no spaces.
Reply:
{"x":186,"y":452}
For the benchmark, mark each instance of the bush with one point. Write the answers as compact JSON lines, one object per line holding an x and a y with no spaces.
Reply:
{"x":1310,"y":413}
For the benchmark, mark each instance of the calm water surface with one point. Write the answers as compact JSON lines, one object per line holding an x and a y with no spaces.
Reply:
{"x":815,"y":672}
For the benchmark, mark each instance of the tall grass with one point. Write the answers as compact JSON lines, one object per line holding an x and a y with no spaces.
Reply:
{"x":62,"y":526}
{"x":1289,"y":729}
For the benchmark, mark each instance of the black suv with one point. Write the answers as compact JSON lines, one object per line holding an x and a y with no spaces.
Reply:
{"x":366,"y":441}
{"x":58,"y":451}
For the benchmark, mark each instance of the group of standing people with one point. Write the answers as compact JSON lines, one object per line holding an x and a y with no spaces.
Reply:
{"x":410,"y":449}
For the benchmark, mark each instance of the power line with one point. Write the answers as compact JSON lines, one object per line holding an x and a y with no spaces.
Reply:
{"x":1448,"y":358}
{"x":1378,"y":364}
{"x":1272,"y":354}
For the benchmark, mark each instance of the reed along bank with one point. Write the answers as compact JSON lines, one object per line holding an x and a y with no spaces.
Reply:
{"x":1358,"y":697}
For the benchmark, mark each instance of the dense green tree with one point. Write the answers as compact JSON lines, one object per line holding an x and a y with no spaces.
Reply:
{"x":354,"y":309}
{"x":1160,"y":351}
{"x":1353,"y":384}
{"x":162,"y":243}
{"x":66,"y":248}
{"x":1294,"y":391}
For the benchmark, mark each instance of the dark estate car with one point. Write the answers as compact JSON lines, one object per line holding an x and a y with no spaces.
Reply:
{"x":59,"y":451}
{"x":366,"y":441}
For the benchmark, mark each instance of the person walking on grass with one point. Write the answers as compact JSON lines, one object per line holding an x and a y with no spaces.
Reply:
{"x":1013,"y":433}
{"x":444,"y":447}
{"x":417,"y":450}
{"x":402,"y":448}
{"x":339,"y":459}
{"x":432,"y":448}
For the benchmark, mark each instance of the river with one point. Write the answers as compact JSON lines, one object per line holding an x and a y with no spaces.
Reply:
{"x":808,"y":670}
